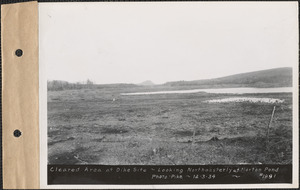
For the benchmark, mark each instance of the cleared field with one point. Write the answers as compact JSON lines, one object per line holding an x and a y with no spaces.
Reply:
{"x":98,"y":126}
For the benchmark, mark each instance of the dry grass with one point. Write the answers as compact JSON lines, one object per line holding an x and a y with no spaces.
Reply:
{"x":86,"y":126}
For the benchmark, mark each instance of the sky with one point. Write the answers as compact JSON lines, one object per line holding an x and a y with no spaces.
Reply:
{"x":112,"y":42}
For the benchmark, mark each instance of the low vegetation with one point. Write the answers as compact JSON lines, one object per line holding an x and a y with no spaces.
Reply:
{"x":98,"y":126}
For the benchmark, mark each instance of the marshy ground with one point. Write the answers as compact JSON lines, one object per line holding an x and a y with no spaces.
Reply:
{"x":99,"y":126}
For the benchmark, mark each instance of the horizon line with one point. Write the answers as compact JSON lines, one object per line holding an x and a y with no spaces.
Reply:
{"x":94,"y":83}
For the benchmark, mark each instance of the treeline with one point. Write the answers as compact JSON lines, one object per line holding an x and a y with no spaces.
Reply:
{"x":278,"y":77}
{"x":57,"y":85}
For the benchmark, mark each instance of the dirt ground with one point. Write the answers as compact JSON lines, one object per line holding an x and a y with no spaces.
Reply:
{"x":98,"y":126}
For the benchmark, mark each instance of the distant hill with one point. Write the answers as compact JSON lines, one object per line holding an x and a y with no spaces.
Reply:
{"x":146,"y":83}
{"x":279,"y":77}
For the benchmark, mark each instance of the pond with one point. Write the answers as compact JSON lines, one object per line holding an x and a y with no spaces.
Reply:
{"x":218,"y":91}
{"x":246,"y":99}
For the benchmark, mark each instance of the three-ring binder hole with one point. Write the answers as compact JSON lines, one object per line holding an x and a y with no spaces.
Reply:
{"x":19,"y":52}
{"x":17,"y":133}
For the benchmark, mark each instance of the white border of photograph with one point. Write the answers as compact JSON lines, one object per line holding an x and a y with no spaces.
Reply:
{"x":43,"y":116}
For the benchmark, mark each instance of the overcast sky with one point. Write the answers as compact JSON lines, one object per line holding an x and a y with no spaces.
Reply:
{"x":133,"y":42}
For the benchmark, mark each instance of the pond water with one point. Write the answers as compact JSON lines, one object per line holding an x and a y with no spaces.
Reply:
{"x":246,"y":99}
{"x":218,"y":91}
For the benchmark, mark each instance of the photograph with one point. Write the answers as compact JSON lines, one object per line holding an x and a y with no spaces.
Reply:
{"x":169,"y":83}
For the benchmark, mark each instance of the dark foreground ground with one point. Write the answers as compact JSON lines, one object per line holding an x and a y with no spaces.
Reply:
{"x":98,"y":126}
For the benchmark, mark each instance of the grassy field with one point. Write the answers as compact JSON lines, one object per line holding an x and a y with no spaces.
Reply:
{"x":86,"y":126}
